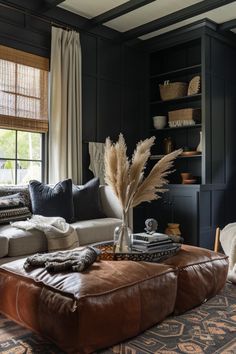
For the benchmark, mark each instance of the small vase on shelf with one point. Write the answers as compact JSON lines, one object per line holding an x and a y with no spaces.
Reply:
{"x":122,"y":236}
{"x":199,"y":147}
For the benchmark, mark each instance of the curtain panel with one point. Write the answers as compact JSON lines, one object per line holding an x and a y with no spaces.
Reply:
{"x":65,"y":124}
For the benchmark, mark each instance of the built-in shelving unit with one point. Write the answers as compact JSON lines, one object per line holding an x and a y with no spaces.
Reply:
{"x":176,"y":128}
{"x":200,"y":207}
{"x":177,"y":100}
{"x":159,"y":157}
{"x":173,"y":73}
{"x":181,"y":63}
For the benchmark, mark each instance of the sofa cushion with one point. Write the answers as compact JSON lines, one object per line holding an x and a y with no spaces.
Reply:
{"x":52,"y":201}
{"x":86,"y":201}
{"x":3,"y":246}
{"x":92,"y":231}
{"x":22,"y":242}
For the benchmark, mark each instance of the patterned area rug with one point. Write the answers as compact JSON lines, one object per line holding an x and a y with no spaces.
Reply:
{"x":208,"y":329}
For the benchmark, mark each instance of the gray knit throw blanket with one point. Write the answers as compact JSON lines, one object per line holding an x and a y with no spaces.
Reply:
{"x":75,"y":261}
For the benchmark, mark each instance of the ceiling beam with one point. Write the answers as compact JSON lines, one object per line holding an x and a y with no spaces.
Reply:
{"x":49,"y":4}
{"x":227,"y":25}
{"x":118,"y":11}
{"x":175,"y":17}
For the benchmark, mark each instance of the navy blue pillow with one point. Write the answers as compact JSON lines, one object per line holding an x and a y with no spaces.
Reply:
{"x":86,"y":201}
{"x":52,"y":201}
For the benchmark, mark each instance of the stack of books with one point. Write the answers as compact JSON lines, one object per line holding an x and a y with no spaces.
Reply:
{"x":143,"y":242}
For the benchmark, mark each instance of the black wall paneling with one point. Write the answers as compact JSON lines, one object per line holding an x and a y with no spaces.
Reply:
{"x":113,"y":75}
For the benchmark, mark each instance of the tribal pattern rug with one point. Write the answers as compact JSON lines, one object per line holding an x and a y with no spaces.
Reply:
{"x":208,"y":329}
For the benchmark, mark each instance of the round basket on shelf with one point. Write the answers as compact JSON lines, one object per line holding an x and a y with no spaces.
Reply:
{"x":173,"y":90}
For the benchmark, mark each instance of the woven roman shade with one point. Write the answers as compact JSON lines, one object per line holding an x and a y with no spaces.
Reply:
{"x":23,"y":90}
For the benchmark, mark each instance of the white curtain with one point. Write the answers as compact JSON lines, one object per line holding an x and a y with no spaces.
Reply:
{"x":65,"y":124}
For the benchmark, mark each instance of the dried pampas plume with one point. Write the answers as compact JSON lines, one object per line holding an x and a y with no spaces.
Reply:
{"x":127,"y":178}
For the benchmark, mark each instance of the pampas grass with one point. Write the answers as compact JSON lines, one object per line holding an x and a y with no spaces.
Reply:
{"x":126,"y":178}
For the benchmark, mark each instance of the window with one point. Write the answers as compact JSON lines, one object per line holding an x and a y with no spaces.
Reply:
{"x":20,"y":156}
{"x":23,"y":115}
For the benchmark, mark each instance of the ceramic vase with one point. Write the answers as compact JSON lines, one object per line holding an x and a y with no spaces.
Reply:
{"x":172,"y":229}
{"x":123,"y":236}
{"x":159,"y":122}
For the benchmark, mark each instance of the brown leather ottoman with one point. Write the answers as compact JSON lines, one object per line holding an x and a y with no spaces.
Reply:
{"x":202,"y":274}
{"x":82,"y":312}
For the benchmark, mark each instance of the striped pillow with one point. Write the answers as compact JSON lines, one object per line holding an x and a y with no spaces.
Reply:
{"x":11,"y":201}
{"x":14,"y":214}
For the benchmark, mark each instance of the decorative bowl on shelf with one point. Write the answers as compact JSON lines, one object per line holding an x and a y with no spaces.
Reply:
{"x":189,"y":181}
{"x":185,"y":176}
{"x":190,"y":153}
{"x":159,"y":122}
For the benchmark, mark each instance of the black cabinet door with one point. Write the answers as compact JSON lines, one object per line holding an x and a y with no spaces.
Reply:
{"x":184,"y":211}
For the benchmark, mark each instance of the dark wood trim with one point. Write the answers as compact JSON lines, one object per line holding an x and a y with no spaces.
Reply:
{"x":61,"y":18}
{"x":49,"y":4}
{"x":227,"y":25}
{"x":118,"y":11}
{"x":177,"y":36}
{"x":174,"y":17}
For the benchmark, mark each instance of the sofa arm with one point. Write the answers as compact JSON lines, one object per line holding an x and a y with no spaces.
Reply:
{"x":111,"y":206}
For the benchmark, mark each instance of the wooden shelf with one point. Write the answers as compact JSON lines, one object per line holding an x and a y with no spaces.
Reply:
{"x":176,"y":128}
{"x":177,"y":100}
{"x":186,"y":70}
{"x":159,"y":157}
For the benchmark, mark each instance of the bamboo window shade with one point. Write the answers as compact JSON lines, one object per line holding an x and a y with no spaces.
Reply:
{"x":23,"y":90}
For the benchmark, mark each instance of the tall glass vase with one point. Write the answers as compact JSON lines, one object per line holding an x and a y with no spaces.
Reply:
{"x":123,"y":236}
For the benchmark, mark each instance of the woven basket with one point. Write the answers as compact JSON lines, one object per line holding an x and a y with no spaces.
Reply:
{"x":173,"y":90}
{"x":184,"y":117}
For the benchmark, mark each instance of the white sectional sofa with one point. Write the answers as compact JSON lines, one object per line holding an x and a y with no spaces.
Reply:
{"x":16,"y":243}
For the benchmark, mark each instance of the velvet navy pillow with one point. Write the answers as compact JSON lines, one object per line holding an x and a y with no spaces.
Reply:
{"x":87,"y":202}
{"x":52,"y":201}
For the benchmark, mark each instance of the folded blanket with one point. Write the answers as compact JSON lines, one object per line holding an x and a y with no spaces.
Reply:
{"x":60,"y":235}
{"x":228,"y":243}
{"x":75,"y":261}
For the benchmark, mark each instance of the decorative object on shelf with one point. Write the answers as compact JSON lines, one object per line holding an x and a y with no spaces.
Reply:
{"x":194,"y":85}
{"x":184,"y":117}
{"x":168,"y":145}
{"x":190,"y":181}
{"x":172,"y":90}
{"x":199,"y":147}
{"x":151,"y":226}
{"x":190,"y":153}
{"x":126,"y":179}
{"x":187,"y":178}
{"x":107,"y":253}
{"x":185,"y":175}
{"x":174,"y":232}
{"x":159,"y":122}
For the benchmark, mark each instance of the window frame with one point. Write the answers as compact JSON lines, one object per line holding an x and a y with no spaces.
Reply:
{"x":16,"y":159}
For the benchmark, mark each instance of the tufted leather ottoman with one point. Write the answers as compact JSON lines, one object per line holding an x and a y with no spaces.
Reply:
{"x":82,"y":312}
{"x":202,"y":274}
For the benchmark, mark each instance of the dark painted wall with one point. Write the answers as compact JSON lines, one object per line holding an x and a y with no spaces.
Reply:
{"x":114,"y":75}
{"x":113,"y":91}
